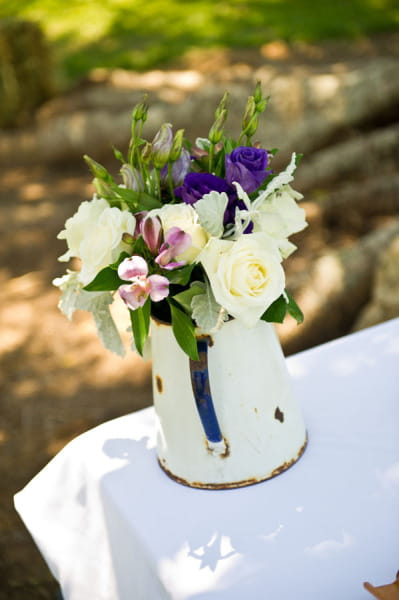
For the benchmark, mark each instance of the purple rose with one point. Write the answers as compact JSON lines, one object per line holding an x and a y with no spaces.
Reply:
{"x":247,"y":166}
{"x":197,"y":185}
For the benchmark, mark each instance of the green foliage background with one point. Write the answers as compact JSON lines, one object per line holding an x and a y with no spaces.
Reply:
{"x":143,"y":34}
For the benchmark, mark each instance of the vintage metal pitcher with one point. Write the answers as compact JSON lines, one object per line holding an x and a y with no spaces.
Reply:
{"x":229,"y":419}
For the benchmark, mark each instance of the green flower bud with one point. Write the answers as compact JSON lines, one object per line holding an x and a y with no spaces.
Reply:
{"x":104,"y":190}
{"x":128,"y":238}
{"x":98,"y":170}
{"x":140,"y":111}
{"x":216,"y":131}
{"x":146,"y":152}
{"x":258,"y":93}
{"x":176,"y":146}
{"x":250,"y":111}
{"x":261,"y":105}
{"x":223,"y":105}
{"x":252,"y":126}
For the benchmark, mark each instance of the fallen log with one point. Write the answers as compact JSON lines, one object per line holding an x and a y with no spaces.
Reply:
{"x":358,"y":157}
{"x":352,"y":205}
{"x":384,"y":303}
{"x":338,"y":286}
{"x":307,"y":110}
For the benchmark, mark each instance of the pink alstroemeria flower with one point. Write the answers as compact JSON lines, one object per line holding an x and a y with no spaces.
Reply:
{"x":151,"y":230}
{"x":176,"y":242}
{"x":135,"y":269}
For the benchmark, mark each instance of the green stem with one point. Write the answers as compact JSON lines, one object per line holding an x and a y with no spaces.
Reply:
{"x":157,"y":183}
{"x":240,"y":138}
{"x":210,"y":156}
{"x":170,"y":182}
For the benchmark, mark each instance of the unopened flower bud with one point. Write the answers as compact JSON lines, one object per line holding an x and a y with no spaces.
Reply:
{"x":216,"y":131}
{"x":161,"y":146}
{"x":140,"y":111}
{"x":223,"y":105}
{"x":103,"y":189}
{"x":250,"y":111}
{"x":151,"y":230}
{"x":258,"y":92}
{"x":128,"y":238}
{"x":261,"y":105}
{"x":252,"y":126}
{"x":146,"y":152}
{"x":98,"y":170}
{"x":132,"y":178}
{"x":176,"y":146}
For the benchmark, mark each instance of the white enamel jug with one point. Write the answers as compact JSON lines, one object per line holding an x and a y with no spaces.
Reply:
{"x":230,"y":419}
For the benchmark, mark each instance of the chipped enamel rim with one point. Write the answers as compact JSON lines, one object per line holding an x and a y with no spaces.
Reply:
{"x":236,"y":484}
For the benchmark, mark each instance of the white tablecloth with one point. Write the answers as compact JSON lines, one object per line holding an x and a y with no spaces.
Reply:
{"x":111,"y":525}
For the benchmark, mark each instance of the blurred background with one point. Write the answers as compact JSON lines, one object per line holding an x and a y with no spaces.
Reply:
{"x":70,"y":73}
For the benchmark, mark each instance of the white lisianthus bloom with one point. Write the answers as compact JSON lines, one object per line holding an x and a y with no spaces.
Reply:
{"x":185,"y":218}
{"x":279,"y":216}
{"x":94,"y":234}
{"x":245,"y":275}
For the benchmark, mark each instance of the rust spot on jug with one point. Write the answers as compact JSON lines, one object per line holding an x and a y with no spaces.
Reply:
{"x":159,"y":383}
{"x":256,"y":410}
{"x":207,"y":338}
{"x":224,"y":454}
{"x":279,"y":415}
{"x":289,"y":464}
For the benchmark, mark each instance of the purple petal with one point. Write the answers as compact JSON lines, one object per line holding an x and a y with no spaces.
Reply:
{"x":165,"y":255}
{"x":151,"y":230}
{"x":132,"y":267}
{"x":159,"y":287}
{"x":136,"y":294}
{"x":173,"y":265}
{"x":247,"y":166}
{"x":196,"y":185}
{"x":139,"y":216}
{"x":178,"y":240}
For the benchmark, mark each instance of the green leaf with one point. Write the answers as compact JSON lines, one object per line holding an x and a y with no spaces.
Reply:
{"x":106,"y":280}
{"x":276,"y":311}
{"x":184,"y":331}
{"x":136,"y":201}
{"x":293,"y":309}
{"x":131,"y":197}
{"x":184,"y":298}
{"x":140,"y":320}
{"x":147,"y":202}
{"x":179,"y":276}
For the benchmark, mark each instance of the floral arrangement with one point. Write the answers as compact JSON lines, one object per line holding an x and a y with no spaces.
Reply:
{"x":193,"y":235}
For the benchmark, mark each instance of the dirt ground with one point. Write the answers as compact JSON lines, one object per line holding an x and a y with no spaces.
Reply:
{"x":56,"y":380}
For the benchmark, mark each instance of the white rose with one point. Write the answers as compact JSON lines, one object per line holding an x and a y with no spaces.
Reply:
{"x":279,"y":216}
{"x":94,"y":234}
{"x":184,"y":217}
{"x":246,"y":276}
{"x":76,"y":226}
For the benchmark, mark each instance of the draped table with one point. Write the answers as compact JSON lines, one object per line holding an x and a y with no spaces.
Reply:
{"x":112,"y":526}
